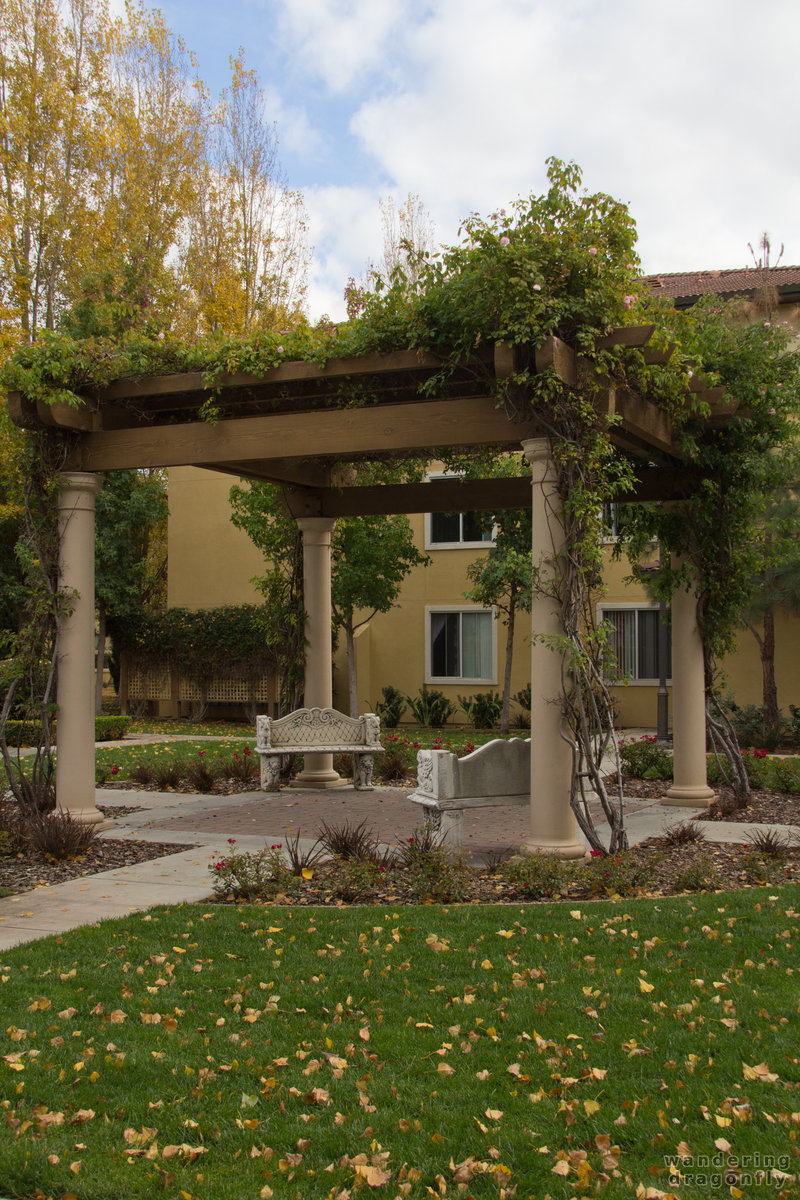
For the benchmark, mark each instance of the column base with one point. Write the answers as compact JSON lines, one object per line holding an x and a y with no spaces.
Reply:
{"x":87,"y":816}
{"x":559,"y":849}
{"x":319,"y":781}
{"x":689,"y":796}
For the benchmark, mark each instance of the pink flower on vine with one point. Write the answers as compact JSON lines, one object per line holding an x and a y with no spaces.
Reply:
{"x":504,"y":241}
{"x":593,"y":250}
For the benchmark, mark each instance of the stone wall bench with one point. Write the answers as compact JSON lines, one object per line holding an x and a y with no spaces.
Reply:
{"x":318,"y":731}
{"x":497,"y":773}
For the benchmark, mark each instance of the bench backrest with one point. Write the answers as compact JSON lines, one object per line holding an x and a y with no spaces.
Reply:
{"x":317,"y":727}
{"x":500,"y":768}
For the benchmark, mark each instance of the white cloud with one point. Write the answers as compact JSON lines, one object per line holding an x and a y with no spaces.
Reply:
{"x":342,"y":40}
{"x":345,"y":229}
{"x":688,"y":111}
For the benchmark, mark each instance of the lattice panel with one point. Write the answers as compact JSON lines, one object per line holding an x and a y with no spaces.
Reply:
{"x":227,"y":691}
{"x":148,"y":685}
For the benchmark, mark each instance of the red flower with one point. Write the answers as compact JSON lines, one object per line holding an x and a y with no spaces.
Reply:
{"x":246,"y":751}
{"x":115,"y":770}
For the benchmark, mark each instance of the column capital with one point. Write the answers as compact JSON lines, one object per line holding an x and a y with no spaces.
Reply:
{"x":318,"y":525}
{"x":539,"y":454}
{"x":77,"y":489}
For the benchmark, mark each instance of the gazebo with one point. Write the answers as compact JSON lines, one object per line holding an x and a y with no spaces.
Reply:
{"x":295,"y":425}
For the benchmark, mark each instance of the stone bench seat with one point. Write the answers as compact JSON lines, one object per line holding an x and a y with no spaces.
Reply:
{"x":498,"y":773}
{"x":318,"y":731}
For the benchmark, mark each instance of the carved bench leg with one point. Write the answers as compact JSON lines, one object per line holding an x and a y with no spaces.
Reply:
{"x":451,"y":827}
{"x":363,"y":765}
{"x":270,"y":772}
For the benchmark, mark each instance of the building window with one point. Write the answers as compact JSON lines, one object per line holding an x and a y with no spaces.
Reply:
{"x":634,"y":640}
{"x":615,"y":518}
{"x":461,"y":645}
{"x":454,"y":530}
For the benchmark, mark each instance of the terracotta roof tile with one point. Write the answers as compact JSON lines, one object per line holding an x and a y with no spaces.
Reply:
{"x":730,"y":282}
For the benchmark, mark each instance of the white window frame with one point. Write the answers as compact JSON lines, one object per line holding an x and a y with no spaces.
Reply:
{"x":628,"y":680}
{"x":430,"y":544}
{"x":431,"y":610}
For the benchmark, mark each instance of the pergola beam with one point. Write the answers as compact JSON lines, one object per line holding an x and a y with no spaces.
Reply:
{"x":330,"y":433}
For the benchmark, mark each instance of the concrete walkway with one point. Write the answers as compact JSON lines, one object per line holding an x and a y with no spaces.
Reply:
{"x":256,"y":818}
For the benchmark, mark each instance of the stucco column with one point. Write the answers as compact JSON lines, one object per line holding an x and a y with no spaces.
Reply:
{"x":318,"y":769}
{"x":690,"y":768}
{"x":75,"y":788}
{"x":553,"y":828}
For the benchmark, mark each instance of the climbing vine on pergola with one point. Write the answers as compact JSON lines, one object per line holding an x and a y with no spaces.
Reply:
{"x":535,"y":325}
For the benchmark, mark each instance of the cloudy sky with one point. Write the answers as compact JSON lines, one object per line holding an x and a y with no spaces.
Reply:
{"x":688,"y":110}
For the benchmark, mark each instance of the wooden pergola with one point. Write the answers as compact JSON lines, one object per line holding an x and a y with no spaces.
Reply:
{"x":302,"y":425}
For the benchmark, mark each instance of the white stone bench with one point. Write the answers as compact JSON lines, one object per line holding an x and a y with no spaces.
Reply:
{"x":497,"y":773}
{"x":318,"y":731}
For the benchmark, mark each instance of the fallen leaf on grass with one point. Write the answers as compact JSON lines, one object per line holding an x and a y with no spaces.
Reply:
{"x":760,"y":1071}
{"x":373,"y":1176}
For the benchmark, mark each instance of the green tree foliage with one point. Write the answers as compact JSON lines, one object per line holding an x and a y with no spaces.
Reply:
{"x":776,"y":585}
{"x":721,"y":532}
{"x":130,"y":507}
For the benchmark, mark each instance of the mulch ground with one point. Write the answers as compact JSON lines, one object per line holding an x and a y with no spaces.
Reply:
{"x":769,"y":808}
{"x":665,"y":868}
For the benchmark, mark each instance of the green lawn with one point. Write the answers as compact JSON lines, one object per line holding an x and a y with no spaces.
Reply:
{"x":240,"y":1052}
{"x":126,"y":757}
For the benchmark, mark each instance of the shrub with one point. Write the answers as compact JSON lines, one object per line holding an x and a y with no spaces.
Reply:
{"x":240,"y":766}
{"x":683,"y":834}
{"x":643,"y":759}
{"x":390,"y":709}
{"x":538,"y":875}
{"x":399,"y":761}
{"x":483,"y":709}
{"x":699,"y":876}
{"x":751,"y":728}
{"x":523,"y":699}
{"x":58,"y":834}
{"x":762,"y":869}
{"x":356,"y":877}
{"x":786,"y":774}
{"x":111,"y":729}
{"x":439,"y":879}
{"x":249,"y":876}
{"x":11,"y":829}
{"x":615,"y":875}
{"x":758,"y":767}
{"x":770,"y":843}
{"x":347,"y":841}
{"x":166,"y":774}
{"x":29,"y":733}
{"x":142,"y":772}
{"x":434,"y":875}
{"x":431,"y":708}
{"x":302,"y":858}
{"x":793,"y":731}
{"x":200,"y":773}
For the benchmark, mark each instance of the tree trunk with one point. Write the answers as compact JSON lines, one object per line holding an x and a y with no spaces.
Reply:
{"x":351,"y":669}
{"x":101,"y":657}
{"x":505,"y":720}
{"x":769,"y":686}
